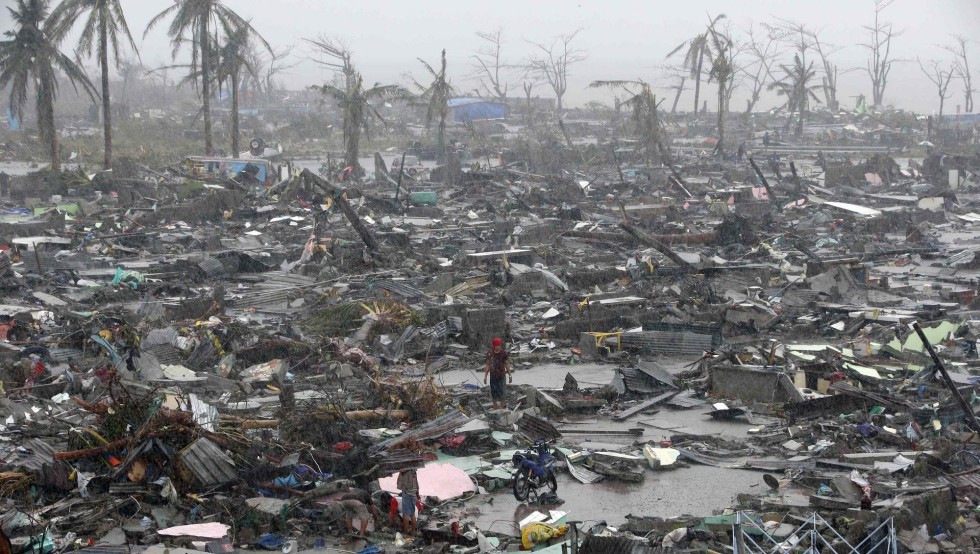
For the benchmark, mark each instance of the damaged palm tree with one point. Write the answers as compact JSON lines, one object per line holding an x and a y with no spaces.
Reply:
{"x":698,"y":49}
{"x":357,"y":103}
{"x":435,"y":98}
{"x":383,"y":315}
{"x":721,"y":72}
{"x":30,"y":60}
{"x":795,"y":86}
{"x":644,"y":105}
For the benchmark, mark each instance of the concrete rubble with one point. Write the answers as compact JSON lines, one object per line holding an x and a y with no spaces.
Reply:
{"x":192,"y":362}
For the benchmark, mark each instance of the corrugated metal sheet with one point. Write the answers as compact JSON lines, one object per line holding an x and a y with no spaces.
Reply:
{"x":713,"y":330}
{"x":535,"y":428}
{"x":659,"y":342}
{"x":212,"y":267}
{"x":427,"y":431}
{"x":400,"y":289}
{"x":109,"y":549}
{"x":397,"y":460}
{"x":967,"y":481}
{"x":594,"y":544}
{"x":686,"y":400}
{"x":164,"y":353}
{"x":584,"y":475}
{"x":208,"y":463}
{"x":656,"y":372}
{"x":637,"y":381}
{"x":64,"y":354}
{"x":271,"y":290}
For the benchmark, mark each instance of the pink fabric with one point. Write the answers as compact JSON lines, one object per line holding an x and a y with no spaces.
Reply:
{"x":443,"y":481}
{"x":201,"y":530}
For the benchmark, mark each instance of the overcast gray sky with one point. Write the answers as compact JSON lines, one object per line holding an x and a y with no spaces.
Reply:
{"x":625,"y":39}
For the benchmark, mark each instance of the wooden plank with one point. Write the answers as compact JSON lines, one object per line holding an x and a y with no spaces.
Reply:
{"x":645,"y":405}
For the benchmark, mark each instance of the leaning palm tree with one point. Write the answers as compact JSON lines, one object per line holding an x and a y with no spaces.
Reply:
{"x":106,"y":22}
{"x":644,"y":106}
{"x":435,"y":98}
{"x":698,"y":49}
{"x":30,"y":55}
{"x":795,"y":86}
{"x":193,"y":23}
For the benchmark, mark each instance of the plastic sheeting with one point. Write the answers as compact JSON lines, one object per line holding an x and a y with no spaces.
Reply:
{"x":443,"y":481}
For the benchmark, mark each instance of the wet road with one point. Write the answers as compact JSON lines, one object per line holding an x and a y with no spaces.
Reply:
{"x":695,"y":490}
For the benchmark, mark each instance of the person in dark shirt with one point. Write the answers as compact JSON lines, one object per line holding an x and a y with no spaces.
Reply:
{"x":497,"y":368}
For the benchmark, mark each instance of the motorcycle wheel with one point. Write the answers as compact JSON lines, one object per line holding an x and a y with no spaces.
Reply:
{"x":522,"y":487}
{"x":552,"y":482}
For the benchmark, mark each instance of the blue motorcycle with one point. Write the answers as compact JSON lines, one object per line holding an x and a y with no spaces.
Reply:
{"x":534,"y":468}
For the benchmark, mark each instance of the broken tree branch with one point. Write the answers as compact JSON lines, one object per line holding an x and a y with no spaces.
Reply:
{"x":341,"y":200}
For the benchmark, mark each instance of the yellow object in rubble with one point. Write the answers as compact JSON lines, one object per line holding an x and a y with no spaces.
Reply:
{"x":536,"y":533}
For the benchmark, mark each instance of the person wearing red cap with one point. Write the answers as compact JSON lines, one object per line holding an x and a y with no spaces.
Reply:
{"x":497,"y":368}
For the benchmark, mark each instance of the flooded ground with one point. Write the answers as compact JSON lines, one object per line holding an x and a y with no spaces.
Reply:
{"x":697,"y":490}
{"x":690,"y":490}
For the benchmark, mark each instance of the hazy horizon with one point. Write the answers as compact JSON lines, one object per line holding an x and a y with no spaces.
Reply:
{"x":627,"y":39}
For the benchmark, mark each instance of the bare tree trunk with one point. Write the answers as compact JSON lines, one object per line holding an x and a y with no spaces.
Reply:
{"x":46,"y":123}
{"x":206,"y":86}
{"x":697,"y":84}
{"x":106,"y":107}
{"x":353,"y":144}
{"x":721,"y":120}
{"x":677,"y":96}
{"x":234,"y":116}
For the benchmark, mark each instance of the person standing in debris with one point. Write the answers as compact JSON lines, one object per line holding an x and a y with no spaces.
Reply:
{"x":408,"y":483}
{"x":497,"y":368}
{"x":765,"y":139}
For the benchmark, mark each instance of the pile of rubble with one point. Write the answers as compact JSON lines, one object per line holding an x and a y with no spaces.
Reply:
{"x":199,"y":362}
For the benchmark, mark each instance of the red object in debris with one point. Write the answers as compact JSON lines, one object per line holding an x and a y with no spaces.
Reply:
{"x":343,"y":446}
{"x":836,"y":377}
{"x":452,"y":441}
{"x":455,"y":528}
{"x":666,"y":444}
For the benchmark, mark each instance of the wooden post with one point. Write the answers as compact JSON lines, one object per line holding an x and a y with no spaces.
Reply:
{"x":970,"y":417}
{"x":398,"y":185}
{"x":765,"y":182}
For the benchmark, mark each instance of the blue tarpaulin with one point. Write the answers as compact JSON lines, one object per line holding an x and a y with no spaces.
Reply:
{"x":472,"y":109}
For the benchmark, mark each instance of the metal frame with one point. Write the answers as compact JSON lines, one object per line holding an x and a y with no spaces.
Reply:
{"x":809,"y":534}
